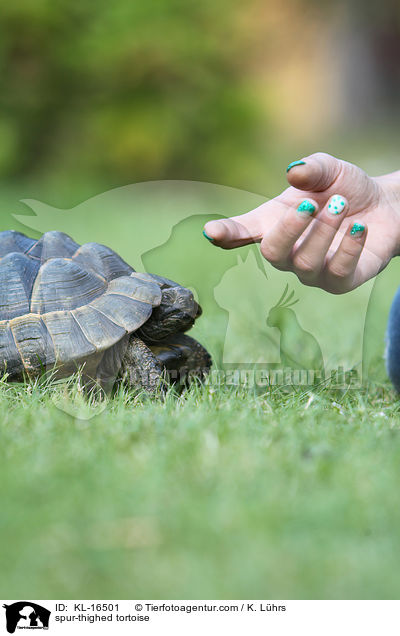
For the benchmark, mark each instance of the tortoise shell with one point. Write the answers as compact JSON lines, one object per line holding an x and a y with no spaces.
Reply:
{"x":62,"y":304}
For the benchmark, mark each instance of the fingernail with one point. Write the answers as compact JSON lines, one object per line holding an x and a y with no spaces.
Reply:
{"x":337,"y":204}
{"x":357,"y":229}
{"x":208,"y":237}
{"x":295,"y":163}
{"x":307,"y":207}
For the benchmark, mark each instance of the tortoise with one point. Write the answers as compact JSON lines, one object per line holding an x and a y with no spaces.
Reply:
{"x":65,"y":306}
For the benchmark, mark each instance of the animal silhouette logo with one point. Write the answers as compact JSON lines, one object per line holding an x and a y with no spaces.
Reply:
{"x":156,"y":226}
{"x":26,"y":615}
{"x":242,"y":294}
{"x":298,"y":347}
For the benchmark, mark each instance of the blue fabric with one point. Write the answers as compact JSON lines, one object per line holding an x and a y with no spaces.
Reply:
{"x":393,"y":342}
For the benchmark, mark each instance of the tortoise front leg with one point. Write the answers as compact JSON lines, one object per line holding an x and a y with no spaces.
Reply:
{"x":182,"y":357}
{"x":178,"y":358}
{"x":140,"y":368}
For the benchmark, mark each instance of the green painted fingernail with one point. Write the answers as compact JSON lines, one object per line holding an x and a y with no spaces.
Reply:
{"x":357,"y":229}
{"x":295,"y":163}
{"x":306,"y":206}
{"x":208,"y":237}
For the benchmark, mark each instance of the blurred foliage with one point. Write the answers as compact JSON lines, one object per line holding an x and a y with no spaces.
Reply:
{"x":118,"y":92}
{"x":131,"y":90}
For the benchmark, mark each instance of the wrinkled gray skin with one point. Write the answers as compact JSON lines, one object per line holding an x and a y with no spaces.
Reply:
{"x":176,"y":359}
{"x":159,"y":352}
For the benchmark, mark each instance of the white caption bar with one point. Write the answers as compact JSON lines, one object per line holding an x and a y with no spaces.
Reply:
{"x":199,"y":617}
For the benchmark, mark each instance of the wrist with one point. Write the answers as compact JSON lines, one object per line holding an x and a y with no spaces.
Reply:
{"x":389,"y":185}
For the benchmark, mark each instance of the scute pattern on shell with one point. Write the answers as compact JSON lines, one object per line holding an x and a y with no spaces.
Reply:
{"x":62,"y":303}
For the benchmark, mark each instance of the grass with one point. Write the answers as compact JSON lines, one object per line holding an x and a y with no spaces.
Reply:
{"x":218,"y":493}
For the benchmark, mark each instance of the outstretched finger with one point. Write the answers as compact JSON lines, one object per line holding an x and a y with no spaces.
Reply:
{"x":234,"y":232}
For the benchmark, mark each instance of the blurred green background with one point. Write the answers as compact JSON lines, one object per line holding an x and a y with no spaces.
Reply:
{"x":97,"y":96}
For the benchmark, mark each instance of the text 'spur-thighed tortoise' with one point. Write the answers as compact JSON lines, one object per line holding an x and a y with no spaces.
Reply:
{"x":64,"y":306}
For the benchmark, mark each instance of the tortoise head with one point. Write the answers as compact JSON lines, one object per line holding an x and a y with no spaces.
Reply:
{"x":176,"y":314}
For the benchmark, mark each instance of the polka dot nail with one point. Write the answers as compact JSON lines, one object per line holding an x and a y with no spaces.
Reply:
{"x":337,"y":204}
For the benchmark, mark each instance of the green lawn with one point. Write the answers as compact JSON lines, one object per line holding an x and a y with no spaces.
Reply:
{"x":219,"y":493}
{"x":222,"y":492}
